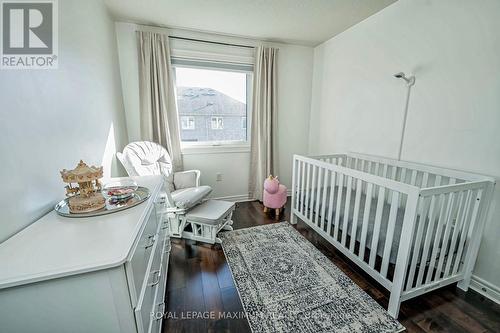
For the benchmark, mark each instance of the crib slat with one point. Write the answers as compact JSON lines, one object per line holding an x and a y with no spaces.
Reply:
{"x":384,"y":174}
{"x":438,"y":180}
{"x":424,"y":206}
{"x":471,"y":216}
{"x":323,"y":200}
{"x":449,"y":221}
{"x":297,"y":184}
{"x":308,"y":190}
{"x":376,"y":227}
{"x":464,"y":202}
{"x":427,"y":243}
{"x":366,"y":215}
{"x":445,"y":206}
{"x":390,"y":233}
{"x":403,"y":175}
{"x":362,"y":166}
{"x":330,"y":203}
{"x":318,"y":195}
{"x":402,"y":178}
{"x":346,"y":210}
{"x":413,"y":179}
{"x":394,"y":172}
{"x":312,"y":198}
{"x":359,"y":185}
{"x":302,"y":189}
{"x":425,"y":179}
{"x":377,"y":167}
{"x":339,"y":203}
{"x":375,"y":172}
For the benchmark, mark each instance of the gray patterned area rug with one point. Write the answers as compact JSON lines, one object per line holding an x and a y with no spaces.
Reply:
{"x":287,"y":285}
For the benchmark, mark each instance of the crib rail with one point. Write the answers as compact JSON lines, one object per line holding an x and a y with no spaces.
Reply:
{"x":414,"y":173}
{"x":446,"y":224}
{"x":412,"y":229}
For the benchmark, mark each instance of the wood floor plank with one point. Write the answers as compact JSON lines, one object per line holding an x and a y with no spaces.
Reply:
{"x":199,"y":279}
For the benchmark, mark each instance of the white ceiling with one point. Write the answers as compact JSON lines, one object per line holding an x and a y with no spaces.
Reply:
{"x":306,"y":22}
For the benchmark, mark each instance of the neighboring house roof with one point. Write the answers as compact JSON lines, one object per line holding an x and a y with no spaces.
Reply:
{"x":207,"y":101}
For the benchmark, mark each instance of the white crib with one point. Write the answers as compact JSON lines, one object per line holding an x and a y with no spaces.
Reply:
{"x":411,"y":227}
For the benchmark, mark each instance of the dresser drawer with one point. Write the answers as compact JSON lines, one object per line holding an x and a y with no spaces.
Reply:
{"x":145,"y":307}
{"x":164,"y":270}
{"x":138,"y":265}
{"x":159,"y":305}
{"x":147,"y":299}
{"x":157,"y":319}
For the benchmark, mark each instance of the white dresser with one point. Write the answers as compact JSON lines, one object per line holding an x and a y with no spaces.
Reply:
{"x":101,"y":274}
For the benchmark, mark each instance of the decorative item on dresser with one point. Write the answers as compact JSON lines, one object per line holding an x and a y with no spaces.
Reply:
{"x":87,"y":196}
{"x":97,"y":274}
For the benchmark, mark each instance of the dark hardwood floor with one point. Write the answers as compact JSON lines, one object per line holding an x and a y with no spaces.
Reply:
{"x":201,"y":295}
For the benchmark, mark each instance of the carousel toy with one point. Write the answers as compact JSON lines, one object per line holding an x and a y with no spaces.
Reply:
{"x":86,"y":197}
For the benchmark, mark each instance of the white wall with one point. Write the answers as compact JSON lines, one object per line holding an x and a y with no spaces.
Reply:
{"x":294,"y":98}
{"x":453,"y":48}
{"x":50,"y":119}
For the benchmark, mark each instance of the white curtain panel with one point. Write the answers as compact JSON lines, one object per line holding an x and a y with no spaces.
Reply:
{"x":264,"y":119}
{"x":158,"y":112}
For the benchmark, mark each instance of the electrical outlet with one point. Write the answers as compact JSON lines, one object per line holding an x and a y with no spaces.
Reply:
{"x":219,"y":177}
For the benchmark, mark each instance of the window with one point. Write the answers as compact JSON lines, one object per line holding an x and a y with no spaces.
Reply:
{"x":217,"y":123}
{"x":216,"y":95}
{"x":187,"y":123}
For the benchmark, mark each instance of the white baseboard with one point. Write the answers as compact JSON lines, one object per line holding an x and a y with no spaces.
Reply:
{"x":485,"y":288}
{"x":235,"y":198}
{"x":243,"y":197}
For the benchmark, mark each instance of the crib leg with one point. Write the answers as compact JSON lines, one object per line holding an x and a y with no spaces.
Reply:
{"x":293,"y":218}
{"x":394,"y":303}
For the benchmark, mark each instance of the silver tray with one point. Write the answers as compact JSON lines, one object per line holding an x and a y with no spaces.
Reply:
{"x":139,"y":196}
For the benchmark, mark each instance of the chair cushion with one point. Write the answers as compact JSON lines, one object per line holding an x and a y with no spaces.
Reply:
{"x":210,"y":212}
{"x":188,"y":197}
{"x":185,"y":179}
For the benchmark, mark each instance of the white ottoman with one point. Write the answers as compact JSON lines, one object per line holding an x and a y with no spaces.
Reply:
{"x":207,"y":219}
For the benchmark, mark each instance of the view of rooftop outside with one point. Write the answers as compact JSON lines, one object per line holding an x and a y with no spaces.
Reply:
{"x":211,"y":105}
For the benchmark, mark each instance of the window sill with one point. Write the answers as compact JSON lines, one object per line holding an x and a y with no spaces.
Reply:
{"x":214,"y":149}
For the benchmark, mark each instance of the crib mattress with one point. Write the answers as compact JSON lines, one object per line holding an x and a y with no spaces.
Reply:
{"x":371,"y":220}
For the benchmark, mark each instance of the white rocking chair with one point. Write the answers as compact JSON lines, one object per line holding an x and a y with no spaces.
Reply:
{"x":182,"y":190}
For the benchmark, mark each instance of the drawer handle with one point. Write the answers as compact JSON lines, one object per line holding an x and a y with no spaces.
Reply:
{"x":165,"y":226}
{"x":162,"y":311}
{"x":152,"y":238}
{"x":157,"y":280}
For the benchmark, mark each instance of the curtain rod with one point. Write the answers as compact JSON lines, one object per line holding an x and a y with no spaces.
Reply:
{"x":211,"y":42}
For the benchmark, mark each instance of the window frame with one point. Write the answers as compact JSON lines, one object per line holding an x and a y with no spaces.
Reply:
{"x":194,"y":147}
